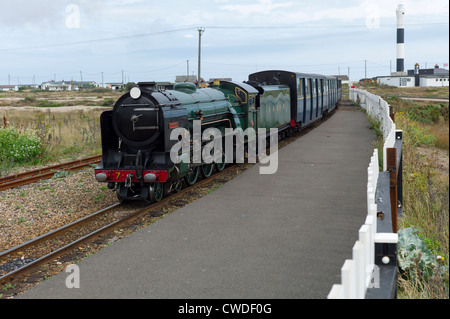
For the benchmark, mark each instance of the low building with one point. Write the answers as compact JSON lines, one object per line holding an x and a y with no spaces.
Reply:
{"x":344,"y":78}
{"x":185,"y":78}
{"x":30,"y":86}
{"x":56,"y":86}
{"x":434,"y":71}
{"x":78,"y":85}
{"x":162,"y":86}
{"x":9,"y":88}
{"x":114,"y":86}
{"x":399,"y":81}
{"x":417,"y":77}
{"x":434,"y":80}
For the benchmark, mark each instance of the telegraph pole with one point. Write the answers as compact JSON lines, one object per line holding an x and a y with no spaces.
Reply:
{"x":200,"y":32}
{"x":365,"y":69}
{"x":187,"y":73}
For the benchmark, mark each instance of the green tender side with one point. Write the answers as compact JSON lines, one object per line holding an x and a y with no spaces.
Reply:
{"x":275,"y":107}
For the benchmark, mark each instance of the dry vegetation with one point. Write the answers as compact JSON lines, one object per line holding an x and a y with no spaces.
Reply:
{"x":409,"y":92}
{"x":66,"y":124}
{"x":425,"y":126}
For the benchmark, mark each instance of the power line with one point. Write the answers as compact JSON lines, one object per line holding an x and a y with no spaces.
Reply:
{"x":322,"y":26}
{"x":140,"y":35}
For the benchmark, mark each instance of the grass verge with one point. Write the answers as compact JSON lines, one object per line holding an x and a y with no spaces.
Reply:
{"x":424,"y":233}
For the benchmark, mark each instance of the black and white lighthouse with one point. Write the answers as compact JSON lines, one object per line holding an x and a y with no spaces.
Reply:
{"x":400,"y":38}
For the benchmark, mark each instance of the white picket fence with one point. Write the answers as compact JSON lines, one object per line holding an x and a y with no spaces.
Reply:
{"x":360,"y":272}
{"x":377,"y":108}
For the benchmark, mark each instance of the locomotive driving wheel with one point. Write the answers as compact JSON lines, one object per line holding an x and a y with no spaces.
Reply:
{"x":156,"y":192}
{"x":179,"y":186}
{"x":191,"y":179}
{"x":221,"y":166}
{"x":207,"y":170}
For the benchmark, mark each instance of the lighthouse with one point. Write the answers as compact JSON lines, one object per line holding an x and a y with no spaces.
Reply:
{"x":400,"y":38}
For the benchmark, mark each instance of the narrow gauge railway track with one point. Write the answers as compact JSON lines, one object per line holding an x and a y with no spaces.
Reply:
{"x":45,"y":173}
{"x":55,"y":252}
{"x":45,"y":245}
{"x":71,"y":237}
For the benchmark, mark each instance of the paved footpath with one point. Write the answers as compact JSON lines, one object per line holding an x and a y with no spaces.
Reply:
{"x":285,"y":235}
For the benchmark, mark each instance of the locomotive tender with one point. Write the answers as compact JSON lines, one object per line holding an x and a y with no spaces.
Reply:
{"x":136,"y":144}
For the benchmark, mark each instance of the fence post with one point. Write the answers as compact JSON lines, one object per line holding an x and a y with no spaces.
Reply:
{"x":348,"y":279}
{"x":399,"y":139}
{"x":392,"y":169}
{"x":358,"y":255}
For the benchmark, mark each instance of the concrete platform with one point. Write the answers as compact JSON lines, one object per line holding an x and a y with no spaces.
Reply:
{"x":285,"y":235}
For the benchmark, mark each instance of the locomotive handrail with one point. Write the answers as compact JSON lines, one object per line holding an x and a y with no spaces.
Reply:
{"x":372,"y":272}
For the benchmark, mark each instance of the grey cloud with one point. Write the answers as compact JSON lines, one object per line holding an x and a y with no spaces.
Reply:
{"x":42,"y":14}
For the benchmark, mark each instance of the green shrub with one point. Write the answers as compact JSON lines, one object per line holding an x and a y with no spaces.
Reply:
{"x":415,"y":135}
{"x":426,"y":271}
{"x":22,"y":147}
{"x":108,"y":102}
{"x":411,"y":246}
{"x":425,"y":114}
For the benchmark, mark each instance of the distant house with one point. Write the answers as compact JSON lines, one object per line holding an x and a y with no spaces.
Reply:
{"x":9,"y":88}
{"x":414,"y":80}
{"x":162,"y":86}
{"x":432,"y":71}
{"x":185,"y":78}
{"x":56,"y":86}
{"x":417,"y":77}
{"x":114,"y":86}
{"x":367,"y":80}
{"x":220,"y":79}
{"x":434,"y":80}
{"x":30,"y":86}
{"x":76,"y":85}
{"x":344,"y":78}
{"x":399,"y":81}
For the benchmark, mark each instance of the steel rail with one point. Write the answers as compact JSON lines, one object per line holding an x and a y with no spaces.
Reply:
{"x":44,"y":173}
{"x":57,"y":231}
{"x":15,"y":273}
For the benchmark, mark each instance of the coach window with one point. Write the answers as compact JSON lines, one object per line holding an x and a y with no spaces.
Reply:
{"x":300,"y":87}
{"x":307,"y":87}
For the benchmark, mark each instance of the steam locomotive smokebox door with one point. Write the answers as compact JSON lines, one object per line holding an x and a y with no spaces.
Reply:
{"x":137,"y":122}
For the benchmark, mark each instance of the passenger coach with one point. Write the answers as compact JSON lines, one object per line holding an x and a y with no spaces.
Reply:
{"x":315,"y":94}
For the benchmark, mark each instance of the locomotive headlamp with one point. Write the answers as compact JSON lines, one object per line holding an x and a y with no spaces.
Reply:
{"x":149,"y":177}
{"x":101,"y":177}
{"x":135,"y":92}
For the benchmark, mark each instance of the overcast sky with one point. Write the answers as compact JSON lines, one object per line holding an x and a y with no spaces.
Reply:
{"x":152,"y":40}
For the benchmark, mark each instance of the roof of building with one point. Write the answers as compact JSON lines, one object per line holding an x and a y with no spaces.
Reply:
{"x":342,"y":77}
